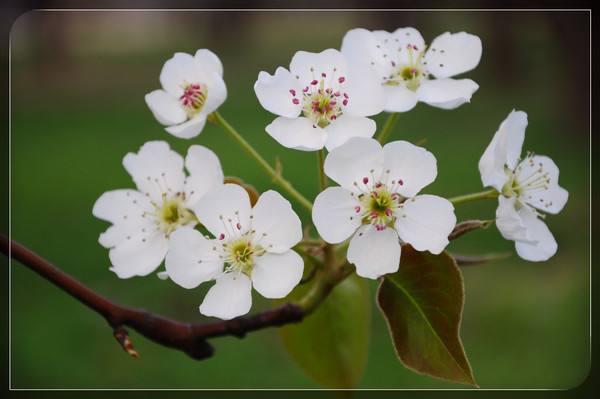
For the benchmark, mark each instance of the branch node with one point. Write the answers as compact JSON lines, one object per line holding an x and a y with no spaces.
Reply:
{"x":122,"y":337}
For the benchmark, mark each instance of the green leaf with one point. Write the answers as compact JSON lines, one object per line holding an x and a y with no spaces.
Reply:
{"x":422,"y":304}
{"x":331,"y":344}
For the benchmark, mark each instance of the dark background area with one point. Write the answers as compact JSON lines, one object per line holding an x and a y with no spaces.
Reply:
{"x":78,"y":81}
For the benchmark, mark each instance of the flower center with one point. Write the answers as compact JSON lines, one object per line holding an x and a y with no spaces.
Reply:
{"x":193,"y":98}
{"x":323,"y":100}
{"x":380,"y":204}
{"x":408,"y":74}
{"x":239,"y":253}
{"x":173,"y":214}
{"x":536,"y":179}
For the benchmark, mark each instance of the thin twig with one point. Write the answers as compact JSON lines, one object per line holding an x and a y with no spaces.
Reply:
{"x":468,"y":226}
{"x":472,"y":260}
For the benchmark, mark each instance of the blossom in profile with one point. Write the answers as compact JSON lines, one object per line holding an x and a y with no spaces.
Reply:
{"x":192,"y":88}
{"x":251,"y":248}
{"x":322,"y":100}
{"x":378,"y":205}
{"x":409,"y":71}
{"x":528,"y":188}
{"x":144,"y":219}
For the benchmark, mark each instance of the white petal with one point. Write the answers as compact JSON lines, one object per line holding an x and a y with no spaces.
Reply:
{"x":118,"y":206}
{"x":130,"y":229}
{"x":166,"y":109}
{"x":509,"y":221}
{"x":216,"y":92}
{"x":298,"y":133}
{"x":543,"y":245}
{"x":191,"y":259}
{"x":359,"y":160}
{"x":399,"y":99}
{"x":345,"y":127}
{"x":189,"y":129}
{"x":277,"y":92}
{"x":548,"y":197}
{"x":308,"y":66}
{"x":373,"y":252}
{"x":276,"y":225}
{"x":361,"y":46}
{"x":446,"y":93}
{"x":276,"y":275}
{"x":210,"y":60}
{"x":225,"y":210}
{"x":179,"y":70}
{"x":334,"y":214}
{"x":452,"y":54}
{"x":504,"y":149}
{"x":425,"y":222}
{"x":138,"y":257}
{"x":410,"y":166}
{"x":395,"y":45}
{"x":230,"y":297}
{"x":365,"y":92}
{"x":205,"y":173}
{"x":156,"y":169}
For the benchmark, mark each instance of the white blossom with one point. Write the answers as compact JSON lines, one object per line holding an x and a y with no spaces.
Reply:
{"x":321,"y":101}
{"x":406,"y":66}
{"x":251,"y":248}
{"x":527,"y":187}
{"x":378,"y":206}
{"x":143,"y":220}
{"x":192,"y":88}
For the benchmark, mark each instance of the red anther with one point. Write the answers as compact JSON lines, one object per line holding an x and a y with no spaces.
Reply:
{"x":374,"y":194}
{"x":393,"y":64}
{"x":333,"y":117}
{"x":296,"y":101}
{"x":415,"y":47}
{"x":378,"y":185}
{"x":337,"y":94}
{"x":221,"y":236}
{"x":345,"y":95}
{"x":292,"y":92}
{"x":400,"y":182}
{"x":341,"y":79}
{"x":239,"y":226}
{"x":314,"y":82}
{"x":388,"y":212}
{"x":305,"y":89}
{"x":345,"y":102}
{"x":323,"y":74}
{"x":357,"y":209}
{"x":365,"y":180}
{"x":374,"y":215}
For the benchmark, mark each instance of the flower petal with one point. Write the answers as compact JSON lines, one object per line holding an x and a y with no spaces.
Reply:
{"x":425,"y":221}
{"x":345,"y":127}
{"x":276,"y":225}
{"x":361,"y":46}
{"x":373,"y":252}
{"x":156,"y":169}
{"x":225,"y":210}
{"x":191,"y":259}
{"x":276,"y":92}
{"x":504,"y":149}
{"x":355,"y":165}
{"x":180,"y":69}
{"x":395,"y":44}
{"x":216,"y":92}
{"x":542,"y":245}
{"x":453,"y":53}
{"x":276,"y":275}
{"x":298,"y":133}
{"x":189,"y":129}
{"x":205,"y":173}
{"x":138,"y":257}
{"x":446,"y":93}
{"x":230,"y":297}
{"x":118,"y":206}
{"x":209,"y":60}
{"x":166,"y":109}
{"x":308,"y":66}
{"x":411,"y":167}
{"x":334,"y":214}
{"x":399,"y":99}
{"x":546,"y":196}
{"x":509,"y":221}
{"x":364,"y":90}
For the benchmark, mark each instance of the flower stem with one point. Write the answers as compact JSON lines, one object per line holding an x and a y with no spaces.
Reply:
{"x":322,"y":178}
{"x":488,"y":194}
{"x":276,"y":175}
{"x":387,"y":127}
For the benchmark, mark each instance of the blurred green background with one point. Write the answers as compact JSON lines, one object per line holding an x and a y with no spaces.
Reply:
{"x":78,"y":81}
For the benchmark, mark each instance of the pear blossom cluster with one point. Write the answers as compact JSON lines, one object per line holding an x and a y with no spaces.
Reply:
{"x":183,"y":214}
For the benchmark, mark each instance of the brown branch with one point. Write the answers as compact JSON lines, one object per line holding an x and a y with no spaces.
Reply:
{"x":472,"y":260}
{"x":468,"y":226}
{"x":190,"y":338}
